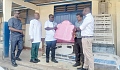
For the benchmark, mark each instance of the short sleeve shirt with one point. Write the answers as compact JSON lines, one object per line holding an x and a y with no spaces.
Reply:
{"x":50,"y":33}
{"x":15,"y":23}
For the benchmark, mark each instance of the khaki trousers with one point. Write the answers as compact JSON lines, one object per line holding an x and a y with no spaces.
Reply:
{"x":88,"y":55}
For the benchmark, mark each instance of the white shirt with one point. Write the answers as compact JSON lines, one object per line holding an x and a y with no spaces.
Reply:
{"x":87,"y":27}
{"x":50,"y":33}
{"x":35,"y":30}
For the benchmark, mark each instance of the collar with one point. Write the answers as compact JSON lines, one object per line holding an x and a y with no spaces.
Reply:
{"x":51,"y":21}
{"x":79,"y":22}
{"x":36,"y":19}
{"x":88,"y":14}
{"x":15,"y":18}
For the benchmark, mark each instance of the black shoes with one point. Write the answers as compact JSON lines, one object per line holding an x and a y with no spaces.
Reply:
{"x":54,"y":60}
{"x":76,"y":64}
{"x":14,"y":64}
{"x":33,"y":61}
{"x":18,"y":59}
{"x":47,"y":60}
{"x":37,"y":60}
{"x":81,"y":69}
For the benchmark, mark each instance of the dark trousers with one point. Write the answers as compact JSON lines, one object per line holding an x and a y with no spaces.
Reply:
{"x":51,"y":45}
{"x":78,"y":50}
{"x":16,"y":41}
{"x":34,"y":50}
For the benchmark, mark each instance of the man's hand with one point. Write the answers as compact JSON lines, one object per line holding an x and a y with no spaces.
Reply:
{"x":74,"y":34}
{"x":55,"y":28}
{"x":15,"y":30}
{"x":32,"y":40}
{"x":49,"y":28}
{"x":21,"y":31}
{"x":77,"y":28}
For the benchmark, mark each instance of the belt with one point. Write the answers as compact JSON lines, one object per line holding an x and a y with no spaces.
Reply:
{"x":87,"y":36}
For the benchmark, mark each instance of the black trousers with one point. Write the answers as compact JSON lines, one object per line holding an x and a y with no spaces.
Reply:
{"x":16,"y":41}
{"x":78,"y":50}
{"x":51,"y":46}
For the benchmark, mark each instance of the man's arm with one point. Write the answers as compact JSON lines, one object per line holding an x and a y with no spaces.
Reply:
{"x":31,"y":31}
{"x":41,"y":28}
{"x":85,"y":23}
{"x":55,"y":26}
{"x":10,"y":24}
{"x":77,"y":29}
{"x":48,"y":28}
{"x":15,"y":30}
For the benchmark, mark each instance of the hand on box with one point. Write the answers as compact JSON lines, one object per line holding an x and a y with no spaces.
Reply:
{"x":55,"y":28}
{"x":74,"y":34}
{"x":77,"y":29}
{"x":21,"y":31}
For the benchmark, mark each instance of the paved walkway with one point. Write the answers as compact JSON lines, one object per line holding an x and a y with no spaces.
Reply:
{"x":26,"y":65}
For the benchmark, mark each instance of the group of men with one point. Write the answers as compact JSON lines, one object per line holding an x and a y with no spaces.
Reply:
{"x":35,"y":33}
{"x":83,"y":38}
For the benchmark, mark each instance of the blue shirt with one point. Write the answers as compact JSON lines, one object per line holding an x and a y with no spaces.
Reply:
{"x":78,"y":33}
{"x":15,"y":23}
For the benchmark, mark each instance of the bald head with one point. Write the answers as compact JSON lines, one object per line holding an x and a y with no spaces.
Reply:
{"x":36,"y":15}
{"x":86,"y":11}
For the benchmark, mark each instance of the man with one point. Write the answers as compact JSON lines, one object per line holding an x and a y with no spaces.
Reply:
{"x":87,"y":29}
{"x":50,"y":27}
{"x":15,"y":26}
{"x":35,"y":32}
{"x":78,"y":43}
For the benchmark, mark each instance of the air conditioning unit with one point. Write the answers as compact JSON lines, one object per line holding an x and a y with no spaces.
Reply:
{"x":103,"y":8}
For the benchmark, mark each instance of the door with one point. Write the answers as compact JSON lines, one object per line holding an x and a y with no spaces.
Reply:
{"x":69,"y":11}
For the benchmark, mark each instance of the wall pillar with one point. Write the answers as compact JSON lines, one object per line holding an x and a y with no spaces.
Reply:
{"x":94,"y":7}
{"x":7,"y":7}
{"x":118,"y":27}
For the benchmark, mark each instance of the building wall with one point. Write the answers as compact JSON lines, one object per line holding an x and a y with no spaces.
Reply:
{"x":95,"y":7}
{"x":118,"y":27}
{"x":30,"y":16}
{"x":113,"y":9}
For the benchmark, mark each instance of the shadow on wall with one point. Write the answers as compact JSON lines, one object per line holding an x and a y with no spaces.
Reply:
{"x":30,"y":16}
